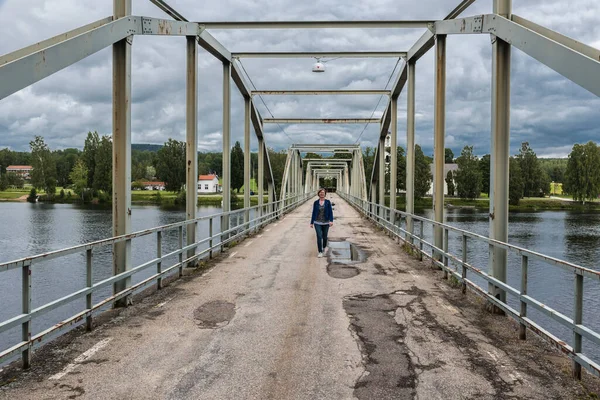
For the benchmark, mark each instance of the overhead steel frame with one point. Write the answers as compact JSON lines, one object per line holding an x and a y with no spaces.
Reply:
{"x":576,"y":61}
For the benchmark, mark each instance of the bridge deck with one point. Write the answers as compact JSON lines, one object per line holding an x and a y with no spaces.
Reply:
{"x":270,"y":320}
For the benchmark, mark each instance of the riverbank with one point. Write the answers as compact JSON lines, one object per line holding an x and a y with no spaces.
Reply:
{"x":140,"y":197}
{"x":526,"y":204}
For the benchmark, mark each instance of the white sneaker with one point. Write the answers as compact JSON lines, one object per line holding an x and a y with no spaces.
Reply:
{"x":320,"y":255}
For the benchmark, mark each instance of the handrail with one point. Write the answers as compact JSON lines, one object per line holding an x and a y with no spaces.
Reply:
{"x":441,"y":257}
{"x":265,"y":214}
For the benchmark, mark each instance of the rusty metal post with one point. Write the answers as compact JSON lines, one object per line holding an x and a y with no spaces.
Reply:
{"x":524,"y":273}
{"x":393,"y":161}
{"x":410,"y":149}
{"x":438,"y":146}
{"x":26,"y":309}
{"x":121,"y":154}
{"x":89,"y":282}
{"x":247,"y":160}
{"x":226,"y":150}
{"x":500,"y":147}
{"x":261,"y":177}
{"x":191,"y":203}
{"x":381,"y":183}
{"x":577,"y":320}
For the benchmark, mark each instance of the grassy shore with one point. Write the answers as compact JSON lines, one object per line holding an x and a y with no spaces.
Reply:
{"x":525,"y":204}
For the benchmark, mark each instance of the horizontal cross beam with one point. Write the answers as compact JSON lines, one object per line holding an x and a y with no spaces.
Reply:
{"x":319,"y":92}
{"x":322,"y":54}
{"x":321,"y":120}
{"x":317,"y":24}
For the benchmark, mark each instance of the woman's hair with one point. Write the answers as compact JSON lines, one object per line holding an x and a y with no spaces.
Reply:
{"x":321,"y":190}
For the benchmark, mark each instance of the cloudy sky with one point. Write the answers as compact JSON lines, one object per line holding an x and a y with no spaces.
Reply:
{"x":548,"y":111}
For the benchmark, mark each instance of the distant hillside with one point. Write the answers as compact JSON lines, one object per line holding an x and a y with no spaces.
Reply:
{"x":146,"y":147}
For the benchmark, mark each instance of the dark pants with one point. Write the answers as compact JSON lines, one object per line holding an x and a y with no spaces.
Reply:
{"x":322,"y":231}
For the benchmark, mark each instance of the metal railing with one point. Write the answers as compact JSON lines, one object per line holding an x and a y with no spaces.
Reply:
{"x":442,"y":258}
{"x":215,"y":242}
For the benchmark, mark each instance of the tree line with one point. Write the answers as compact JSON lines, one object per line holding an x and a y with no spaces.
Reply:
{"x":89,"y":171}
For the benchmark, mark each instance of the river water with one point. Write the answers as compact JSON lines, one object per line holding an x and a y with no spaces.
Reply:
{"x":29,"y":229}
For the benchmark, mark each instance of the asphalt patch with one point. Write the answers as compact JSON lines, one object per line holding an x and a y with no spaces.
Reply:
{"x":389,"y":373}
{"x":214,"y":314}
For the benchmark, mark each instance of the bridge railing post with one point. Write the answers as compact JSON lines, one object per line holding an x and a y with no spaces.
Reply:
{"x":180,"y":234}
{"x":159,"y":255}
{"x":421,"y":242}
{"x":210,"y":241}
{"x":445,"y":248}
{"x":577,"y":320}
{"x":26,"y":326}
{"x":89,"y":283}
{"x":524,"y":268}
{"x":464,"y":267}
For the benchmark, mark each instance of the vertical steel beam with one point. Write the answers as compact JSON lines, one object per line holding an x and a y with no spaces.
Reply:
{"x":381,"y":183}
{"x":247,"y":158}
{"x":261,"y":175}
{"x":410,"y":148}
{"x":121,"y":207}
{"x":439,"y":132}
{"x":226,"y":147}
{"x":393,"y":159}
{"x":191,"y":147}
{"x":271,"y":195}
{"x":501,"y":55}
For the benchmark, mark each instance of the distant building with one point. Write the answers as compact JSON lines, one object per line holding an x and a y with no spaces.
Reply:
{"x":447,"y":167}
{"x":24,"y":171}
{"x":208,"y":184}
{"x":154,"y":185}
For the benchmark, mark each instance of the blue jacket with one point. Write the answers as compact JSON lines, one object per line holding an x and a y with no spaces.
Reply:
{"x":328,"y":211}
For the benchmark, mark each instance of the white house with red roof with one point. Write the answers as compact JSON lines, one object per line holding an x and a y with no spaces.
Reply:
{"x":24,"y":171}
{"x":208,"y":184}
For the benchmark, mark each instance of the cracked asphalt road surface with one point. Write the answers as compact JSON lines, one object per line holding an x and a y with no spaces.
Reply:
{"x":273,"y":321}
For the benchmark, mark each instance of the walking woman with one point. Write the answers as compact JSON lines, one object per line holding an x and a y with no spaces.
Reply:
{"x":322,"y":219}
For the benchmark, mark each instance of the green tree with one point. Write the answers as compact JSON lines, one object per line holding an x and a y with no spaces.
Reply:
{"x":533,"y":177}
{"x":484,"y":169}
{"x":400,"y":170}
{"x":90,"y":148}
{"x":312,"y":155}
{"x":368,"y":161}
{"x":277,"y":159}
{"x":450,"y":183}
{"x":448,"y":156}
{"x":3,"y":182}
{"x":170,"y":165}
{"x":423,"y":176}
{"x":582,"y":177}
{"x":65,"y":160}
{"x":79,"y":177}
{"x":237,"y":167}
{"x":14,"y":180}
{"x":515,"y":182}
{"x":103,"y":165}
{"x":468,"y":177}
{"x":43,"y":174}
{"x":138,"y":171}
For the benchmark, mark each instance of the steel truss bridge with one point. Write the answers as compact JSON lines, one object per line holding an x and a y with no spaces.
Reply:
{"x":576,"y":61}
